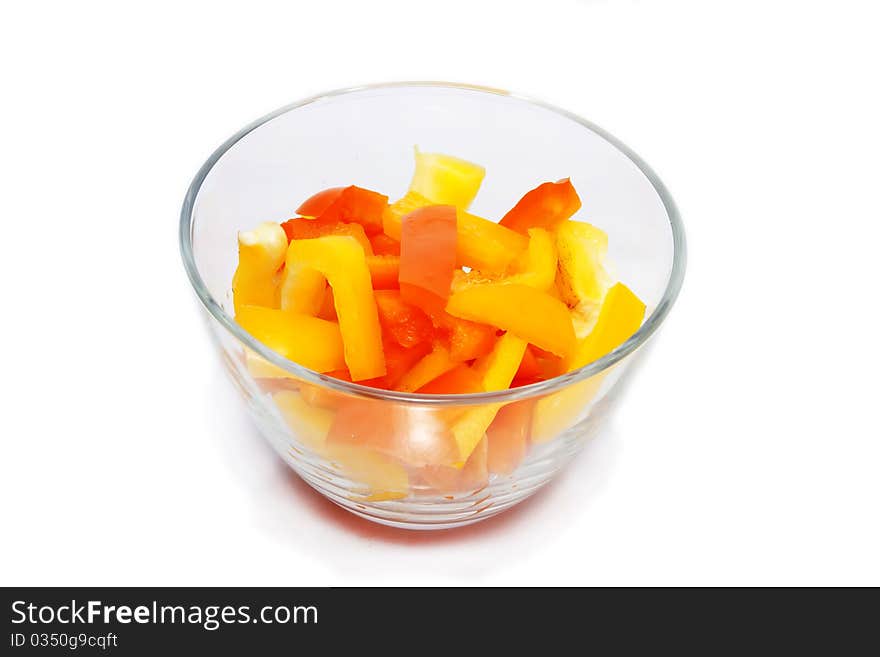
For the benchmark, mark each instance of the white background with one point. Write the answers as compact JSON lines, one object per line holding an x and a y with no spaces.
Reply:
{"x":745,"y":451}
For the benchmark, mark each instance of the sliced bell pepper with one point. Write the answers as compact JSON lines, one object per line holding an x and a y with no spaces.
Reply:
{"x":529,"y":369}
{"x":309,"y":341}
{"x":461,"y":380}
{"x":342,"y":262}
{"x":426,"y":370}
{"x":529,"y":313}
{"x":398,"y":361}
{"x":481,"y":244}
{"x":309,"y":424}
{"x":407,"y":324}
{"x":357,"y":205}
{"x":328,"y":307}
{"x":473,"y":476}
{"x":546,"y":206}
{"x":302,"y":288}
{"x":582,"y":280}
{"x":427,"y":255}
{"x":497,"y":370}
{"x":416,"y":436}
{"x":317,"y":204}
{"x":382,"y":477}
{"x":446,"y":180}
{"x":304,"y":229}
{"x":537,"y":266}
{"x":384,"y":271}
{"x":260,"y":255}
{"x":508,"y":436}
{"x":384,"y":245}
{"x":619,"y":318}
{"x":467,"y":340}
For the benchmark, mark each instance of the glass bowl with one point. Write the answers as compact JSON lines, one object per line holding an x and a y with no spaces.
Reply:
{"x":394,"y":467}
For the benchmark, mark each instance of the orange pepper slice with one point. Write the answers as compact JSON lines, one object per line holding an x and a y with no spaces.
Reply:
{"x":461,"y":380}
{"x":427,"y":255}
{"x":384,"y":271}
{"x":481,"y":244}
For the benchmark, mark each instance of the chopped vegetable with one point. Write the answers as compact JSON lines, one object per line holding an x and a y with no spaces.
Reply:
{"x":427,"y":256}
{"x":342,"y":262}
{"x":311,"y":342}
{"x":260,"y":254}
{"x":446,"y":180}
{"x":529,"y":313}
{"x":546,"y":206}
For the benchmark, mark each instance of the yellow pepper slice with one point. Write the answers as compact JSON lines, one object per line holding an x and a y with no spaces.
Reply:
{"x":537,"y":266}
{"x":431,"y":366}
{"x":620,"y":317}
{"x":524,"y":311}
{"x":341,"y":260}
{"x":497,"y":370}
{"x":384,"y":479}
{"x":260,"y":254}
{"x":446,"y":180}
{"x":481,"y":244}
{"x":302,"y":288}
{"x":582,"y":279}
{"x":309,"y":341}
{"x":309,"y":424}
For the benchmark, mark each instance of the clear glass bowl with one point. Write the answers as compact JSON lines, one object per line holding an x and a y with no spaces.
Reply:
{"x":395,"y":468}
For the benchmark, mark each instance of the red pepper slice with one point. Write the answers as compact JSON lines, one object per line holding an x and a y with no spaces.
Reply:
{"x":306,"y":229}
{"x":467,"y":340}
{"x":546,"y":206}
{"x":407,"y":324}
{"x":384,"y":245}
{"x":384,"y":271}
{"x":318,"y":203}
{"x":427,"y":256}
{"x":357,"y":205}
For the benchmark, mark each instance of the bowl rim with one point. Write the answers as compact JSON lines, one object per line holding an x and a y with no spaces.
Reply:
{"x":647,"y":329}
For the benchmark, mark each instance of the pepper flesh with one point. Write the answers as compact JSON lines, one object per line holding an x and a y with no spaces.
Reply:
{"x":311,"y":342}
{"x":384,"y":271}
{"x":546,"y":206}
{"x":529,"y":313}
{"x":357,"y":205}
{"x":303,"y":229}
{"x":481,"y":244}
{"x":342,"y":262}
{"x":318,"y":203}
{"x":582,"y":280}
{"x":537,"y":266}
{"x":620,"y":316}
{"x":426,"y":370}
{"x":497,"y":371}
{"x":260,"y":254}
{"x":446,"y":180}
{"x":407,"y":324}
{"x":427,"y":255}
